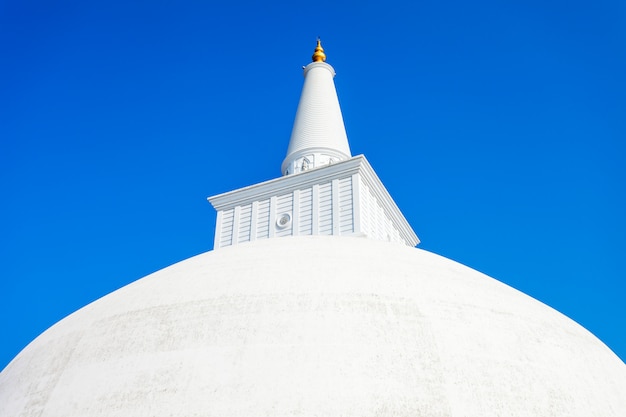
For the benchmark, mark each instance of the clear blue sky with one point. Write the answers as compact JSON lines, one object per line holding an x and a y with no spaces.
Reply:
{"x":498,"y":127}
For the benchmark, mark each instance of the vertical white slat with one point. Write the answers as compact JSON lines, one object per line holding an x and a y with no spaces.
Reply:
{"x":254,"y":210}
{"x":235,"y":232}
{"x":315,"y":204}
{"x":374,"y":213}
{"x":245,"y":218}
{"x":346,"y":206}
{"x":380,"y":215}
{"x":325,"y":223}
{"x":306,"y":211}
{"x":356,"y":204}
{"x":334,"y":215}
{"x":218,"y":230}
{"x":272,"y":217}
{"x":295,"y":217}
{"x":366,"y":212}
{"x":226,"y":235}
{"x":263,"y":219}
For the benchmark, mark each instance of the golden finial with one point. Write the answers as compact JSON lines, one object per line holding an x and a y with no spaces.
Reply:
{"x":319,"y":55}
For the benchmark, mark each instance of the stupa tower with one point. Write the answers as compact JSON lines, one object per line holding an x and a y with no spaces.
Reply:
{"x":323,"y":191}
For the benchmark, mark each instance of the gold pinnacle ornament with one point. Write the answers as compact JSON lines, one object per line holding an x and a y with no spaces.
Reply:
{"x":319,"y":55}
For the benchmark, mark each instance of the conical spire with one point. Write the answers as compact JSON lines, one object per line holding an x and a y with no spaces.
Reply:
{"x":319,"y":136}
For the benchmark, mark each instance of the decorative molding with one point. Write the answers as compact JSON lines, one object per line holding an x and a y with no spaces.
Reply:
{"x":379,"y":218}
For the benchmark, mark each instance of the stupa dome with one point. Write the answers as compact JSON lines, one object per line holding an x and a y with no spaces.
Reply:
{"x":315,"y":326}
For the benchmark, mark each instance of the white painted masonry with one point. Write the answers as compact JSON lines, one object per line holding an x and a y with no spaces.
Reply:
{"x":315,"y":326}
{"x":319,"y":136}
{"x":346,"y":198}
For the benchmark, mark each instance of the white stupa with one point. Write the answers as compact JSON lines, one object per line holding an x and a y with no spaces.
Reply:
{"x":315,"y":302}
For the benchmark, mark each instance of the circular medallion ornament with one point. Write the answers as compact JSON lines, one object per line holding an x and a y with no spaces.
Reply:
{"x":283,"y":220}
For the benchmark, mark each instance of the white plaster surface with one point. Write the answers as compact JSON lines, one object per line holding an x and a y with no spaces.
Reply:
{"x":318,"y":131}
{"x":315,"y":326}
{"x":346,"y":198}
